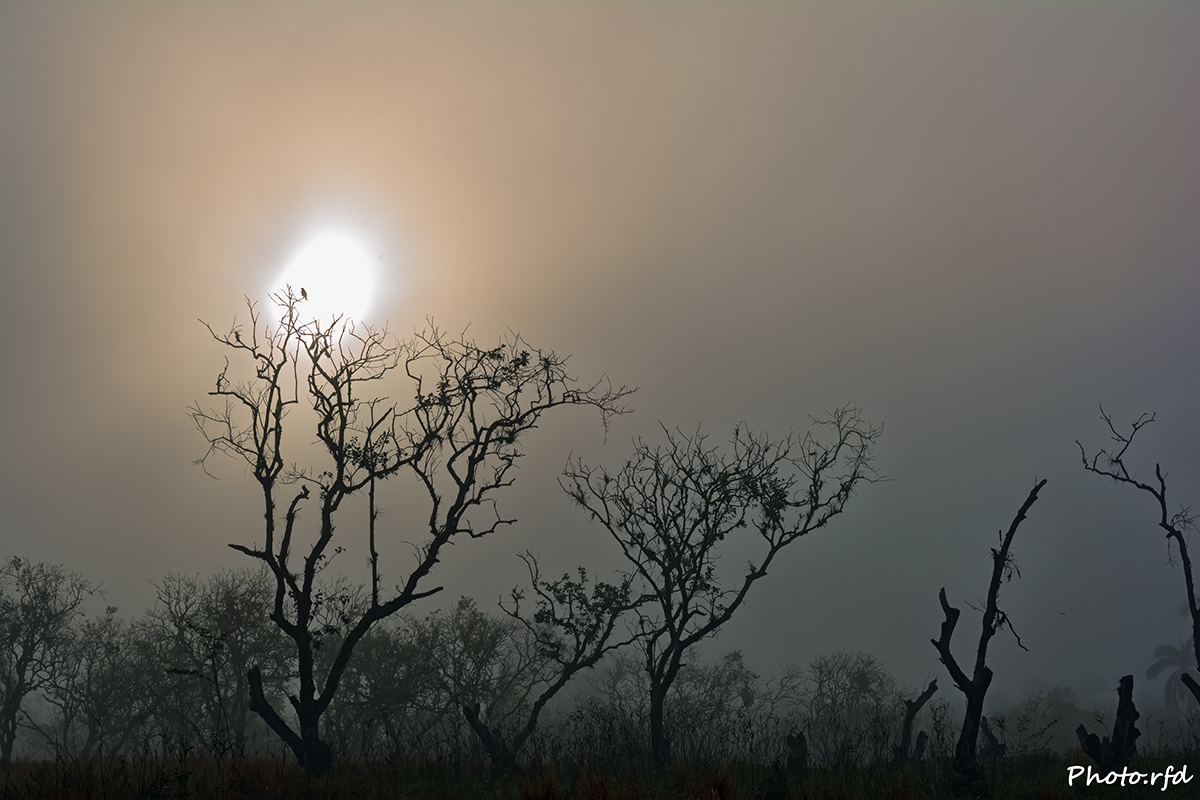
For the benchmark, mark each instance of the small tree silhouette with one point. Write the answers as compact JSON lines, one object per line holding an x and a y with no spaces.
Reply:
{"x":569,"y":630}
{"x":671,"y":507}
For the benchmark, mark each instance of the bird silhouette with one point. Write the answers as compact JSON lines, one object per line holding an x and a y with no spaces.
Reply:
{"x":303,"y":293}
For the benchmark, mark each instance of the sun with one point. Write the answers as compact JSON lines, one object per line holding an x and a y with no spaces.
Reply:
{"x":336,"y":274}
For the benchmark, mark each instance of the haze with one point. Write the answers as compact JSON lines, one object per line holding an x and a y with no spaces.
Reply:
{"x":976,"y":221}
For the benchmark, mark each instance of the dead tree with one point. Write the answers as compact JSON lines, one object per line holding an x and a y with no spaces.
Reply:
{"x":1112,"y":465}
{"x":458,"y":440}
{"x":1114,"y":754}
{"x":911,"y":709}
{"x":670,"y":509}
{"x":995,"y":748}
{"x":1004,"y":567}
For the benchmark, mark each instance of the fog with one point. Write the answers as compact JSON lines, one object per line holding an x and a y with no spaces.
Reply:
{"x":977,"y":222}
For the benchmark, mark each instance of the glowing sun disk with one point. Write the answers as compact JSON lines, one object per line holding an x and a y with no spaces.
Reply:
{"x":337,"y":274}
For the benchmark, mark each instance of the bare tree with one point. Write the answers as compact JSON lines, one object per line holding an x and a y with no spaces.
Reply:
{"x":716,"y":710}
{"x":211,"y":632}
{"x":39,"y":603}
{"x":671,"y":508}
{"x":479,"y":660}
{"x":1004,"y":567}
{"x":569,"y":631}
{"x":458,"y":440}
{"x":846,"y":694}
{"x":99,"y":696}
{"x":1176,"y":525}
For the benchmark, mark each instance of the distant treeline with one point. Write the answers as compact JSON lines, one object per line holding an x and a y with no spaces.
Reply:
{"x":175,"y":678}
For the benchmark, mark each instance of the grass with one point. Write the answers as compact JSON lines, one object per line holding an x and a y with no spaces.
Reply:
{"x":1032,"y":777}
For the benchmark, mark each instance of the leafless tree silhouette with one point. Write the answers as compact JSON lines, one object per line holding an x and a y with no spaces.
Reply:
{"x":38,"y":605}
{"x":570,"y":629}
{"x":671,"y":507}
{"x":458,"y":439}
{"x":1176,"y":525}
{"x":101,"y":697}
{"x":1004,"y":567}
{"x":211,"y":632}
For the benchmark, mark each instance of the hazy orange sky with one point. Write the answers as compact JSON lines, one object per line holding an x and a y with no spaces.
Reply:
{"x":977,"y":221}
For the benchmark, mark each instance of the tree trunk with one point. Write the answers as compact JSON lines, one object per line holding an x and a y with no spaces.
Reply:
{"x":918,"y":752}
{"x":965,"y":763}
{"x":313,"y":754}
{"x":660,"y":745}
{"x":911,"y":709}
{"x":797,"y":757}
{"x":7,"y":737}
{"x":504,"y":759}
{"x":8,"y":725}
{"x":1191,"y":685}
{"x":316,"y":756}
{"x":1113,"y":754}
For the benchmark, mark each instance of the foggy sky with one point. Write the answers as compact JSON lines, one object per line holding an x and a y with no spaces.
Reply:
{"x":976,"y":221}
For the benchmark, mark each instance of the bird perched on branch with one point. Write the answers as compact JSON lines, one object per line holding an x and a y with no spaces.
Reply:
{"x":303,"y":293}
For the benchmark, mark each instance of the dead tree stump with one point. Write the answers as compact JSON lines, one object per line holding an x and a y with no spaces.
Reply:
{"x":1112,"y":755}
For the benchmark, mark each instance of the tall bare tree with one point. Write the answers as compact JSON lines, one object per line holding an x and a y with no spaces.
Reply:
{"x":39,"y":603}
{"x":672,"y":507}
{"x":1176,"y":525}
{"x":974,"y":688}
{"x":458,"y":440}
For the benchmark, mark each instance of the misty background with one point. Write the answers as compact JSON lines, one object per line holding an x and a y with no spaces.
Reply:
{"x":976,"y":222}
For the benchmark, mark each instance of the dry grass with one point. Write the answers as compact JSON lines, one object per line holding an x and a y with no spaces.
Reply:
{"x":1024,"y":778}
